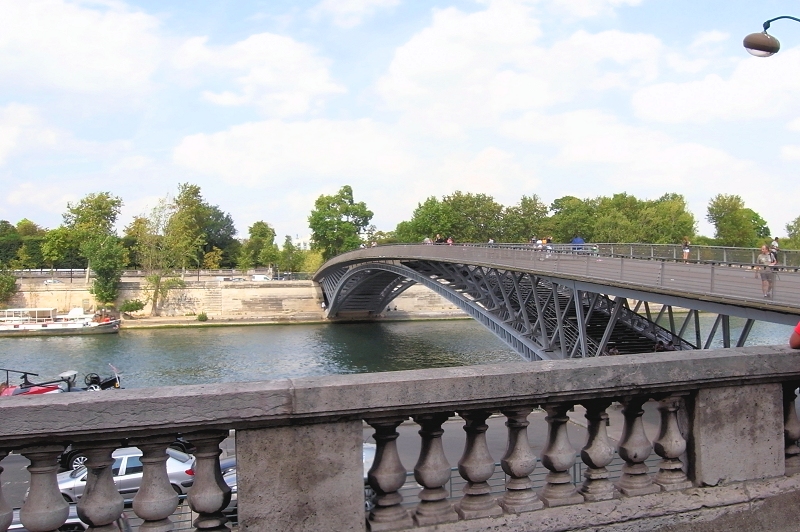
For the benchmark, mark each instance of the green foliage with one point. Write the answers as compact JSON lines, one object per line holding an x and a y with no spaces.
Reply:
{"x":336,"y":223}
{"x":131,"y":305}
{"x":291,"y":257}
{"x":95,"y":213}
{"x":793,"y":232}
{"x":202,"y":317}
{"x":26,"y":227}
{"x":109,"y":258}
{"x":262,"y":236}
{"x":735,"y":225}
{"x":525,"y":220}
{"x":8,"y":286}
{"x":573,"y":216}
{"x":312,"y":261}
{"x":212,"y":259}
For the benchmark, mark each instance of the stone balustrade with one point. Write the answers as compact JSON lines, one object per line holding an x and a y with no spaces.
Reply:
{"x":727,"y":446}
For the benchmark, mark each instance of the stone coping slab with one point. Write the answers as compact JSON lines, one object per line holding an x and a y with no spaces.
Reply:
{"x":375,"y":395}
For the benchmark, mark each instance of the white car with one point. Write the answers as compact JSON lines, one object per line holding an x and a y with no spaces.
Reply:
{"x":53,"y":281}
{"x":127,"y":469}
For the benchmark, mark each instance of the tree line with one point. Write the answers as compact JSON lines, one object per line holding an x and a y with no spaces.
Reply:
{"x":185,"y":231}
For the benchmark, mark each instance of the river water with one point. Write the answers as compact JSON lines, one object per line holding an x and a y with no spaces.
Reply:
{"x":155,"y":357}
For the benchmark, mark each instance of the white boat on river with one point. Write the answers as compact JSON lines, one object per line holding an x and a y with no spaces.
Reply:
{"x":46,"y":322}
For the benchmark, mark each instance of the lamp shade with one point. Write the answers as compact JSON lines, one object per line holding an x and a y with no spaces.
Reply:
{"x":761,"y":44}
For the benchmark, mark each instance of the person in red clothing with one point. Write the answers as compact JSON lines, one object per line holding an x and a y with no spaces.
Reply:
{"x":794,"y":339}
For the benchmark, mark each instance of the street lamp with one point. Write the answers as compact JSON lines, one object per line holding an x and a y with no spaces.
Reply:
{"x":763,"y":44}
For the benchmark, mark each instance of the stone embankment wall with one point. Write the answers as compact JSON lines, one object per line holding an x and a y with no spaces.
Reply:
{"x":268,"y":300}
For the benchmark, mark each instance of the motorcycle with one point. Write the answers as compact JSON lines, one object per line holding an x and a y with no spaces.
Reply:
{"x":66,"y":382}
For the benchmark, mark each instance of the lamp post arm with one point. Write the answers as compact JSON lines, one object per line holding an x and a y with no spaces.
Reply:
{"x":766,"y":24}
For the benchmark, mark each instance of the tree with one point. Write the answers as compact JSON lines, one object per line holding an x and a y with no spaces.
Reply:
{"x":429,"y":218}
{"x":8,"y":286}
{"x":10,"y":242}
{"x":57,"y":245}
{"x":336,"y":223}
{"x":109,"y":259}
{"x":26,"y":227}
{"x":525,"y":220}
{"x":666,"y":220}
{"x":154,"y":254}
{"x":573,"y":216}
{"x":291,"y":258}
{"x":262,"y":236}
{"x":734,"y":224}
{"x":91,"y":222}
{"x":185,"y":230}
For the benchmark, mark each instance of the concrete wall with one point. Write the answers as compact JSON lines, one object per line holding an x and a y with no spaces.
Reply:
{"x":297,"y":300}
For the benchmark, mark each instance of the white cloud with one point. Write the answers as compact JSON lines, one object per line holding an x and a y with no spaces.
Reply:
{"x":48,"y":199}
{"x":635,"y":159}
{"x":276,"y":153}
{"x":790,"y":153}
{"x":21,"y":129}
{"x":276,"y":73}
{"x":757,"y":88}
{"x":350,"y":13}
{"x":469,"y":70}
{"x":57,"y":44}
{"x":592,"y":8}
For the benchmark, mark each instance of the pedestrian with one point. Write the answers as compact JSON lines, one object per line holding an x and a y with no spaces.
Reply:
{"x":774,"y":247}
{"x":439,"y":239}
{"x":577,"y":243}
{"x":449,"y":240}
{"x":491,"y":241}
{"x":794,"y":339}
{"x":686,"y":249}
{"x":765,"y":261}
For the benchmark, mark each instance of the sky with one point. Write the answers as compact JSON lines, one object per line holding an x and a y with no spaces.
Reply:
{"x":266,"y":105}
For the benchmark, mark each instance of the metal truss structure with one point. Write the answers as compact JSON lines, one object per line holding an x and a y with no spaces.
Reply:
{"x":540,"y":316}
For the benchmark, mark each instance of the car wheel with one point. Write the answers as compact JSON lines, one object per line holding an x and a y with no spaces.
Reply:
{"x":66,"y":498}
{"x":177,"y":490}
{"x":77,"y":461}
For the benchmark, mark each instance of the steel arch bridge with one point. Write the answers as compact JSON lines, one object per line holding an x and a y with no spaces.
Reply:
{"x":548,"y":304}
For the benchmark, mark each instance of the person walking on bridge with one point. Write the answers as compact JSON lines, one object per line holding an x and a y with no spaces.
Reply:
{"x":766,"y":261}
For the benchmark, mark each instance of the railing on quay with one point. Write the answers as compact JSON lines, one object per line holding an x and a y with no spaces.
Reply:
{"x":727,"y":440}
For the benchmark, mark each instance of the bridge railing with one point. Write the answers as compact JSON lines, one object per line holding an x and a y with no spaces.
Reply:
{"x":726,"y":441}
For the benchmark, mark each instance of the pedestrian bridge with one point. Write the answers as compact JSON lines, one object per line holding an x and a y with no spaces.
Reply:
{"x":572,"y":302}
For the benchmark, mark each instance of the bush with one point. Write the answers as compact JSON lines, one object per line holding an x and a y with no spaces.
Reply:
{"x":131,"y":305}
{"x":202,"y":317}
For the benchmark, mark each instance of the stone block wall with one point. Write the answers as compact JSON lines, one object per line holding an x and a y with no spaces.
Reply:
{"x":266,"y":299}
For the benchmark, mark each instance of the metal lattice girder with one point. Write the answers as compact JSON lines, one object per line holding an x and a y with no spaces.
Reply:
{"x":535,"y":315}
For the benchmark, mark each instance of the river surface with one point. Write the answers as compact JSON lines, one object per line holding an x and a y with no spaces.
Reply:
{"x":155,"y":357}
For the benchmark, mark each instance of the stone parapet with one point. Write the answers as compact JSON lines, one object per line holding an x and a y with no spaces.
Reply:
{"x":721,"y":447}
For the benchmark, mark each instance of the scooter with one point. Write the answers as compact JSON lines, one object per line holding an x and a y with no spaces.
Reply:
{"x":66,"y":382}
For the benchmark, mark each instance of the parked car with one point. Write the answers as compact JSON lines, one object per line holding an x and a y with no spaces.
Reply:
{"x":74,"y":458}
{"x":53,"y":281}
{"x":73,"y":523}
{"x":127,"y":470}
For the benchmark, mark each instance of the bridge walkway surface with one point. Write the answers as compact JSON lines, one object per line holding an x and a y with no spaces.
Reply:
{"x":567,"y":302}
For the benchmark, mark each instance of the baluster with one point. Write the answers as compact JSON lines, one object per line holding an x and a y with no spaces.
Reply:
{"x":597,"y":454}
{"x":101,"y":503}
{"x":634,"y":449}
{"x":210,"y":494}
{"x":518,"y":463}
{"x":558,"y":457}
{"x":670,"y":445}
{"x":45,"y":509}
{"x":6,"y":513}
{"x":432,"y":472}
{"x":386,"y":476}
{"x":155,"y":500}
{"x":476,"y":467}
{"x":791,"y":429}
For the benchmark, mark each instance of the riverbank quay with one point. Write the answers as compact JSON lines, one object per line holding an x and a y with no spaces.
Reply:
{"x":242,"y":301}
{"x":726,"y":443}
